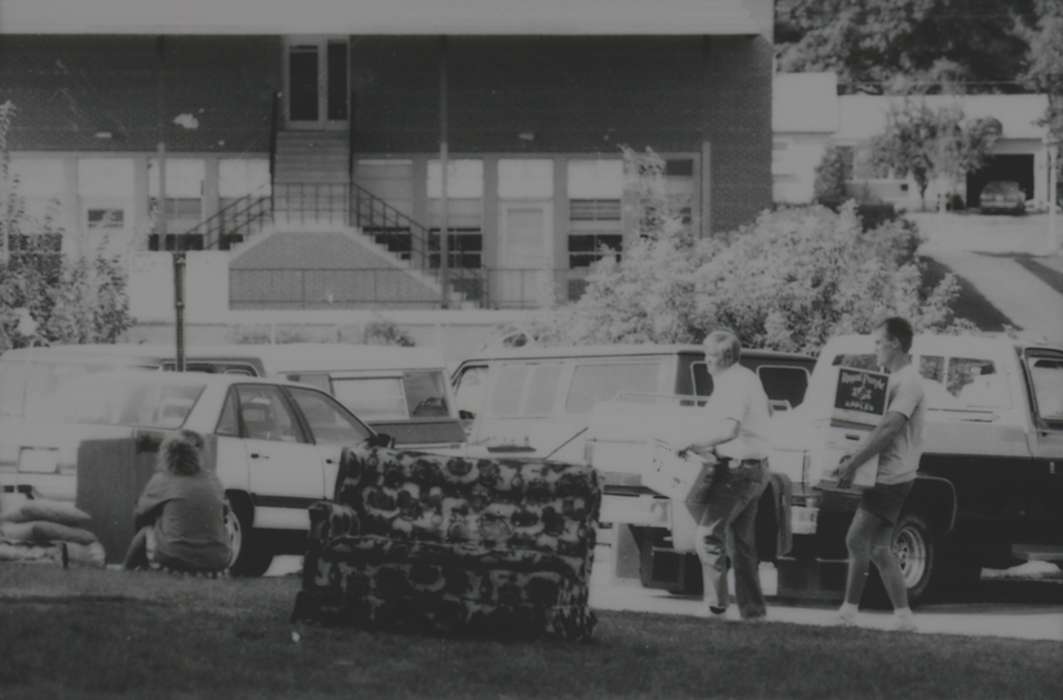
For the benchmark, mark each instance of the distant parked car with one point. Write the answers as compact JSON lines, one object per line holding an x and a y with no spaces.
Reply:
{"x":1002,"y":196}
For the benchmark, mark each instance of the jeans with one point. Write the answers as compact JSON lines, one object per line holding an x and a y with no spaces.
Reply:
{"x":727,"y":537}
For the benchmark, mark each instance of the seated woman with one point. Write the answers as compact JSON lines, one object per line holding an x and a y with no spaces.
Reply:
{"x":180,"y":517}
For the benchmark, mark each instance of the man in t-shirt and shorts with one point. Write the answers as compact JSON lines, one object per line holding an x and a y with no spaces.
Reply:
{"x":898,"y":442}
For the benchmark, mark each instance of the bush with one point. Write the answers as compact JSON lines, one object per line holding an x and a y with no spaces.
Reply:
{"x":788,"y":282}
{"x":833,"y":171}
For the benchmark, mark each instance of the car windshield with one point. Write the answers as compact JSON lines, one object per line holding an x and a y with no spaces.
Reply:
{"x":102,"y":399}
{"x":1004,"y":187}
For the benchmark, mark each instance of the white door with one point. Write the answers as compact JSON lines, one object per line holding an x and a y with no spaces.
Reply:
{"x":526,"y":254}
{"x":317,"y":83}
{"x":332,"y":428}
{"x":284,"y":470}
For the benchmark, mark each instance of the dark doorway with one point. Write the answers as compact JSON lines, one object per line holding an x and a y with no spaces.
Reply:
{"x":303,"y":77}
{"x":1018,"y":168}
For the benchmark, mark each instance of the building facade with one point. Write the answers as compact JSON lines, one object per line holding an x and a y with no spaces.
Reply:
{"x":278,"y":130}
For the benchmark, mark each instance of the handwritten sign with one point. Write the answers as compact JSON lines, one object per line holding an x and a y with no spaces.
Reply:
{"x":860,"y":396}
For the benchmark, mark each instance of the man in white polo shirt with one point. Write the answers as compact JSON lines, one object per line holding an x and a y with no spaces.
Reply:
{"x":737,"y":434}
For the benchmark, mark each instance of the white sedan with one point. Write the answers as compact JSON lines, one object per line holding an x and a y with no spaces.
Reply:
{"x":275,"y":445}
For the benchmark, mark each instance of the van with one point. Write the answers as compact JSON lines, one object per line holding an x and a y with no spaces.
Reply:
{"x":538,"y":401}
{"x":400,"y":391}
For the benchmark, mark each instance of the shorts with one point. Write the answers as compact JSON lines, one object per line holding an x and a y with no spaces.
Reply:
{"x":886,"y":500}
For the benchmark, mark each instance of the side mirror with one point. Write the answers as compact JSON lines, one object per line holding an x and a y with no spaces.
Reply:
{"x":381,"y":440}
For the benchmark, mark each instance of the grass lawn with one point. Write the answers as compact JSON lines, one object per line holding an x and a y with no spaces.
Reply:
{"x":970,"y":304}
{"x":96,"y":633}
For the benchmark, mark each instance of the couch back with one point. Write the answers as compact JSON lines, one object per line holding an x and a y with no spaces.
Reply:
{"x":548,"y":507}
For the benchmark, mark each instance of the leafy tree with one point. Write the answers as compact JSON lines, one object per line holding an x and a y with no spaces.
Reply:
{"x":788,"y":281}
{"x":927,"y":143}
{"x":71,"y":300}
{"x":832,"y":173}
{"x":1045,"y":65}
{"x":870,"y":43}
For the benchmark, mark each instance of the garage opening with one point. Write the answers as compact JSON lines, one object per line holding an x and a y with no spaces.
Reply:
{"x":1015,"y":167}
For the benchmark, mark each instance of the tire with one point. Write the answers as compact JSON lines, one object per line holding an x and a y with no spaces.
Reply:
{"x":916,"y":548}
{"x":248,"y":556}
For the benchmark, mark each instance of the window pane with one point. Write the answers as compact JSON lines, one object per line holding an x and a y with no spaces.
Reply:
{"x":601,"y":382}
{"x":784,"y":383}
{"x":229,"y":424}
{"x":328,"y":422}
{"x":426,"y":394}
{"x":975,"y":383}
{"x":702,"y":379}
{"x":506,"y":396}
{"x":469,"y":394}
{"x":265,"y":415}
{"x":542,"y":390}
{"x":932,"y":367}
{"x":319,"y":380}
{"x":372,"y":398}
{"x":1047,"y":375}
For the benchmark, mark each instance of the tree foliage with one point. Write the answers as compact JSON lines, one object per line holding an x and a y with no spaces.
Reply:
{"x":833,"y":171}
{"x":70,"y":299}
{"x":871,"y":43}
{"x":927,"y":143}
{"x":1044,"y":72}
{"x":787,"y":282}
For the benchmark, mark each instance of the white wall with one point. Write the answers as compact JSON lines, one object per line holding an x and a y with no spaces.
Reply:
{"x":151,"y":290}
{"x":794,"y":159}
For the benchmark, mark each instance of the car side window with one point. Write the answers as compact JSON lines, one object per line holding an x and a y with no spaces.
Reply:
{"x":975,"y":383}
{"x":1046,"y":374}
{"x":785,"y":386}
{"x":469,"y":390}
{"x":229,"y":423}
{"x":265,"y":414}
{"x":328,"y":421}
{"x":701,"y":378}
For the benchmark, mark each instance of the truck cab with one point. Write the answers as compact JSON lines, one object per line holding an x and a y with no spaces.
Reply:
{"x":989,"y":490}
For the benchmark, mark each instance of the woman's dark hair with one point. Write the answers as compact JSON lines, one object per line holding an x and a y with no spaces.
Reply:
{"x":900,"y":330}
{"x":182,"y":454}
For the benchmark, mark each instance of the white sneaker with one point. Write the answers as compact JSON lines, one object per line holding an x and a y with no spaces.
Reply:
{"x":905,"y":624}
{"x":846,"y":618}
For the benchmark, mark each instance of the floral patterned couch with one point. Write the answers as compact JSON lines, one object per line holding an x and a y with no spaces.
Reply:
{"x":415,"y":540}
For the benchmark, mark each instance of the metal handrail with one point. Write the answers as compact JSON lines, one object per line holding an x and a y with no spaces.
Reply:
{"x":235,"y":218}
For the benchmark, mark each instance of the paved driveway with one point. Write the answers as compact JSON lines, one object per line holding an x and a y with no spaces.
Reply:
{"x":972,"y":247}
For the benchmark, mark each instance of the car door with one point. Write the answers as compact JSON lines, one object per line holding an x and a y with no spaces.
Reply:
{"x":332,"y":427}
{"x":1045,"y":371}
{"x":284,"y":472}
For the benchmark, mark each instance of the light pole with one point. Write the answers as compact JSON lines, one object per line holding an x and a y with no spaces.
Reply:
{"x":1052,"y":152}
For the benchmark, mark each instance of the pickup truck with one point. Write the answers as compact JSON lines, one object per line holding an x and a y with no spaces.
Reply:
{"x":989,"y":490}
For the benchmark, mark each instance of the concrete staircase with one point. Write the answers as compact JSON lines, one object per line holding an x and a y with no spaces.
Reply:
{"x":311,"y":157}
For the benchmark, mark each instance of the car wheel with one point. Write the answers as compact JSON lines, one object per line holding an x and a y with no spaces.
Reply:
{"x":916,"y":551}
{"x":248,"y":556}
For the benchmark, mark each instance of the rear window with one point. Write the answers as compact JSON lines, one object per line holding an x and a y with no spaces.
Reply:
{"x":415,"y":394}
{"x":99,"y":400}
{"x":592,"y":383}
{"x":23,"y":385}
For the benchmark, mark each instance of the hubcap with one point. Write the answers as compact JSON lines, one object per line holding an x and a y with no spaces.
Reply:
{"x":236,"y":534}
{"x":911,"y":550}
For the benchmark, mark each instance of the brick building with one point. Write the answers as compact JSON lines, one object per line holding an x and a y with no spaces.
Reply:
{"x":306,"y":140}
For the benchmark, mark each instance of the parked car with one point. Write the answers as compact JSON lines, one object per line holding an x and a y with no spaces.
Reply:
{"x":989,"y":491}
{"x":1002,"y":196}
{"x":275,"y":445}
{"x":540,"y":401}
{"x":401,"y":391}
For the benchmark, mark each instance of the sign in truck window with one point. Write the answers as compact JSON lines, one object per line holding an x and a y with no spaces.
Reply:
{"x":860,"y":396}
